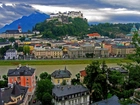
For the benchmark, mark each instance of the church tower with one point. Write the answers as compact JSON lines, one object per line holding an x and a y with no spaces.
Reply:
{"x":19,"y":29}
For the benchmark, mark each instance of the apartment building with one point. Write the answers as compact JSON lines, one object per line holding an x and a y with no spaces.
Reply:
{"x":122,"y":51}
{"x":24,"y":76}
{"x":87,"y":49}
{"x":70,"y":95}
{"x":48,"y":53}
{"x":75,"y":53}
{"x":101,"y":52}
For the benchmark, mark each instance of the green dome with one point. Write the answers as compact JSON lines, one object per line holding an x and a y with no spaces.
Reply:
{"x":134,"y":29}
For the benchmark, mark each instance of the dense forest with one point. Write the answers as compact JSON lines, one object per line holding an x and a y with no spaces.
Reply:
{"x":55,"y":29}
{"x":80,"y":27}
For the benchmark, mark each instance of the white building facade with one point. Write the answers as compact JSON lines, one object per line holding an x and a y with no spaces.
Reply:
{"x":11,"y":54}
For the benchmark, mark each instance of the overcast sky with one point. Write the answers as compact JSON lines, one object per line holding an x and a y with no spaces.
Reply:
{"x":115,"y":11}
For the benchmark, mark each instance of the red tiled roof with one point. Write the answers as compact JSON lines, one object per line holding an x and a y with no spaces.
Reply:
{"x":94,"y":34}
{"x":83,"y":73}
{"x":37,"y":44}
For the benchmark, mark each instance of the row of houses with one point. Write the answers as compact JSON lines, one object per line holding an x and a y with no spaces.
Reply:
{"x":22,"y":84}
{"x":93,"y":46}
{"x":78,"y":51}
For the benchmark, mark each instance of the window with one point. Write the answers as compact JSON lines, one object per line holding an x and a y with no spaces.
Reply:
{"x":58,"y":80}
{"x":27,"y":78}
{"x":27,"y":83}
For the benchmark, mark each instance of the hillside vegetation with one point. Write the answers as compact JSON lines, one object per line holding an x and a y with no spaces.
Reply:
{"x":113,"y":30}
{"x":54,"y":28}
{"x":80,"y":27}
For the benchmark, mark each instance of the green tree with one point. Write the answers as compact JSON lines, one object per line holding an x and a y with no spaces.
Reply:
{"x":95,"y":80}
{"x":12,"y":39}
{"x":16,"y":45}
{"x":3,"y":83}
{"x":44,"y":91}
{"x":5,"y":77}
{"x":45,"y":75}
{"x":26,"y":49}
{"x":20,"y":49}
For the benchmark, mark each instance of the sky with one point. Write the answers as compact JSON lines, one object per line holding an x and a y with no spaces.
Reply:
{"x":114,"y":11}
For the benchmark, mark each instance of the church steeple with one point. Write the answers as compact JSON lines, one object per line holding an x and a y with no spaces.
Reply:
{"x":19,"y":29}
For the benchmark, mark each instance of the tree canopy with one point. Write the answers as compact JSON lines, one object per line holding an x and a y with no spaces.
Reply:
{"x":55,"y":29}
{"x":44,"y":91}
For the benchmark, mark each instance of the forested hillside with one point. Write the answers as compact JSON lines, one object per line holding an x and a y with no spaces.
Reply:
{"x":80,"y":27}
{"x":113,"y":30}
{"x":54,"y":28}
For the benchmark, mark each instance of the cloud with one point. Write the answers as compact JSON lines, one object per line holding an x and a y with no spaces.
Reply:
{"x":131,"y":4}
{"x":93,"y":10}
{"x":11,"y":12}
{"x":95,"y":14}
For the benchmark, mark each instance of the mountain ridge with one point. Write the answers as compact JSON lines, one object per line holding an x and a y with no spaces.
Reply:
{"x":26,"y":22}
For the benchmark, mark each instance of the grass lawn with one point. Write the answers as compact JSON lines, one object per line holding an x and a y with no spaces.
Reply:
{"x":61,"y":61}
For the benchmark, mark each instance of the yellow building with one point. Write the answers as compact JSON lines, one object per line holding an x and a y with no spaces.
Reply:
{"x":48,"y":53}
{"x":59,"y":76}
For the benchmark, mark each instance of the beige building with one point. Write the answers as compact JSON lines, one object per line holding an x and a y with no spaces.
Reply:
{"x":122,"y":51}
{"x":101,"y":52}
{"x":75,"y":52}
{"x":48,"y":53}
{"x":15,"y":35}
{"x":87,"y":49}
{"x":60,"y":76}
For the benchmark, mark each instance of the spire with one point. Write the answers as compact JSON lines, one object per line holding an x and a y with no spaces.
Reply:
{"x":134,"y":26}
{"x":65,"y":68}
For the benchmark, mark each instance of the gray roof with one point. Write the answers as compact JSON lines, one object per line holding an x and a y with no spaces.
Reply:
{"x":123,"y":47}
{"x":11,"y":50}
{"x":111,"y":101}
{"x":61,"y":73}
{"x":12,"y":32}
{"x":121,"y":70}
{"x":21,"y":71}
{"x":65,"y":90}
{"x":15,"y":91}
{"x":4,"y":43}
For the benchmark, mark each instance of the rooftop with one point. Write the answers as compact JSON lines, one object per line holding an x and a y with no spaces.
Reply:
{"x":83,"y":73}
{"x":65,"y":90}
{"x":61,"y":73}
{"x":13,"y":90}
{"x":94,"y":34}
{"x":21,"y":71}
{"x":111,"y":101}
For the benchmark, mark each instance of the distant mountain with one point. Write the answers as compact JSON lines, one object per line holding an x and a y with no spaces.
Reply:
{"x":26,"y":22}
